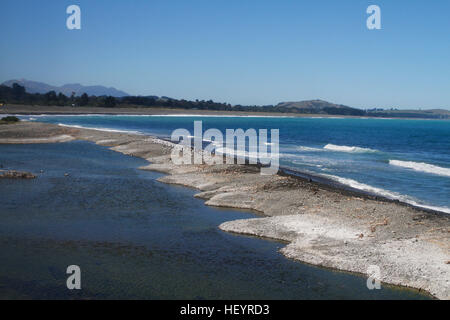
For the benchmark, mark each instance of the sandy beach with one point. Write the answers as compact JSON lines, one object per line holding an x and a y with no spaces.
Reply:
{"x":321,"y":225}
{"x":54,"y":110}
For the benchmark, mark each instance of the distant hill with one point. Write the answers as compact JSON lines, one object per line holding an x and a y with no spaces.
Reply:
{"x":324,"y":107}
{"x":67,"y":89}
{"x":318,"y":107}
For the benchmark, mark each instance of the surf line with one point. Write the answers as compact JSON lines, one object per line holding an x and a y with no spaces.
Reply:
{"x":189,"y":151}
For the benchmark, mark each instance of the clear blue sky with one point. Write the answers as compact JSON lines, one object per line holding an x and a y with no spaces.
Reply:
{"x":236,"y":51}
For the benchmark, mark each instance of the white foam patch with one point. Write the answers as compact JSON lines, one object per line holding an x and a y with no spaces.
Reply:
{"x":308,"y":149}
{"x":99,"y":129}
{"x":352,"y":149}
{"x":385,"y":193}
{"x":246,"y":154}
{"x":421,"y":167}
{"x":203,"y":116}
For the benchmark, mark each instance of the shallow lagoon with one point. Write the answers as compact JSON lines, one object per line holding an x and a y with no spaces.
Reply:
{"x":136,"y":238}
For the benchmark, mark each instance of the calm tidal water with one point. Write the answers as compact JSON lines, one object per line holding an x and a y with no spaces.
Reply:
{"x":136,"y":238}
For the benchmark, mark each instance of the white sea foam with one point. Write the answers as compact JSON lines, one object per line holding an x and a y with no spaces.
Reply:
{"x":308,"y":149}
{"x":434,"y":208}
{"x":385,"y":193}
{"x":352,"y":149}
{"x":199,"y":115}
{"x":336,"y":148}
{"x":421,"y":167}
{"x":245,"y":154}
{"x":365,"y":187}
{"x":302,"y":163}
{"x":99,"y":129}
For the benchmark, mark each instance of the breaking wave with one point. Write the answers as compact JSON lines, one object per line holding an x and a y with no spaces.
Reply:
{"x":385,"y":193}
{"x":302,"y":148}
{"x":421,"y":167}
{"x":336,"y":148}
{"x":333,"y":147}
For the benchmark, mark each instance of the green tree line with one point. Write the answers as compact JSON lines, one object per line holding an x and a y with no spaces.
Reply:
{"x":18,"y":95}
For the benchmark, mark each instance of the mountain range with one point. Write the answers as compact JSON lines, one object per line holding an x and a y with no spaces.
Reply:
{"x":67,"y":89}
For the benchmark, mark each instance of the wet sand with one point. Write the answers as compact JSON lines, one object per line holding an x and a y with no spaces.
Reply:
{"x":322,"y":225}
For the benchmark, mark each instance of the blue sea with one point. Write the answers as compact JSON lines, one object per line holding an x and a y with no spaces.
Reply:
{"x":407,"y":160}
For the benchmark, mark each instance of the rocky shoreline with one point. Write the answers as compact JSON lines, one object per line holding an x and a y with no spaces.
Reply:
{"x":322,"y":226}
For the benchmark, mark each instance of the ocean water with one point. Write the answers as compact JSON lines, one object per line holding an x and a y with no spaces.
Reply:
{"x":136,"y":238}
{"x":408,"y":160}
